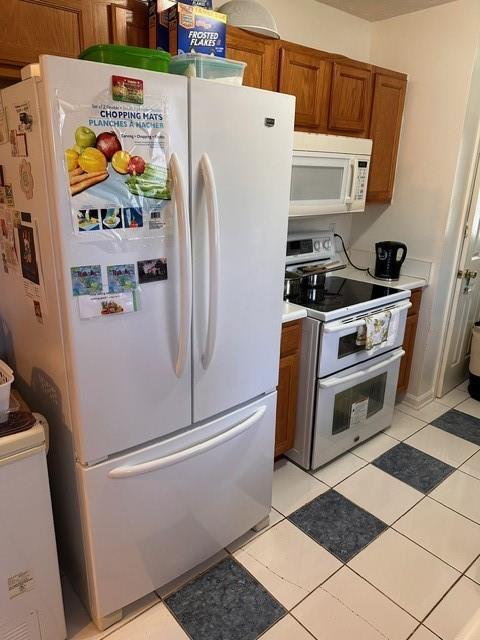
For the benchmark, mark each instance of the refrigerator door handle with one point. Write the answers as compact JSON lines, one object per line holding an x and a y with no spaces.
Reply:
{"x":181,"y":456}
{"x":185,"y":257}
{"x":214,"y":257}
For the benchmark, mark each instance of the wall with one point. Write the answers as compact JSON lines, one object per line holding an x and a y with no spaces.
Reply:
{"x":436,"y":47}
{"x":316,"y":25}
{"x":322,"y":27}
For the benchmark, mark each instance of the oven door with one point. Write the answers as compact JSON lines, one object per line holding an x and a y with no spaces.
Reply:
{"x":321,"y":183}
{"x":353,"y":405}
{"x":338,"y":340}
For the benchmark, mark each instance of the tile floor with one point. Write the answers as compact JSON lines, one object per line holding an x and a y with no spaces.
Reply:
{"x":381,"y":544}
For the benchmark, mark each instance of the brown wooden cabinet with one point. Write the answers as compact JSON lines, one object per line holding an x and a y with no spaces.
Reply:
{"x":409,"y":341}
{"x":29,"y":28}
{"x":288,"y":386}
{"x":350,"y":99}
{"x":259,"y":53}
{"x":305,"y":74}
{"x":386,"y":121}
{"x":129,"y":24}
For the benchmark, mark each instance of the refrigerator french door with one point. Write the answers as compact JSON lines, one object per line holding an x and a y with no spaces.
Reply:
{"x":238,"y":228}
{"x":128,"y":384}
{"x":183,"y":388}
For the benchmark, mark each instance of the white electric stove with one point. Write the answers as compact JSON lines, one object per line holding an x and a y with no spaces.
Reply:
{"x":346,"y":391}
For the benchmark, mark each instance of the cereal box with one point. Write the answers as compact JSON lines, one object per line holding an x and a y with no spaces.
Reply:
{"x":196,"y":30}
{"x":158,"y":20}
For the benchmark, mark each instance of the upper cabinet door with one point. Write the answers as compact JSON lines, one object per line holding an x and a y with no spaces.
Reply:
{"x":306,"y":76}
{"x":129,"y":24}
{"x":350,"y":99}
{"x":259,"y":54}
{"x":387,"y":111}
{"x":28,"y":29}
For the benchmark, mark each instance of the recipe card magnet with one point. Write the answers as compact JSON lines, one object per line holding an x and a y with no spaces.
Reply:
{"x":87,"y":280}
{"x":121,"y":278}
{"x":107,"y":304}
{"x":152,"y":270}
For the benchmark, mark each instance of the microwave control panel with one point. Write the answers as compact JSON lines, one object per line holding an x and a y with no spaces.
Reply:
{"x":362,"y":176}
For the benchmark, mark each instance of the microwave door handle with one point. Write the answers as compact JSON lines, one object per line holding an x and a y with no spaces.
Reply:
{"x":335,"y":327}
{"x":352,"y":164}
{"x":334,"y":382}
{"x":214,"y":257}
{"x":185,"y":259}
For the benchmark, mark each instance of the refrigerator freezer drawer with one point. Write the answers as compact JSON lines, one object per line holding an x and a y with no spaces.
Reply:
{"x":153,"y":514}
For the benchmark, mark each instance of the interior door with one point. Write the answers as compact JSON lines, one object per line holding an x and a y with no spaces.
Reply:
{"x":241,"y":155}
{"x":466,"y":302}
{"x":129,"y":373}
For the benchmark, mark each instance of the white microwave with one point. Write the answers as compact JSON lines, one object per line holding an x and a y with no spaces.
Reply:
{"x":329,"y":174}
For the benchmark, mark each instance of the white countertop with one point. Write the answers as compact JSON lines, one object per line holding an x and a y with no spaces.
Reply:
{"x":404,"y":282}
{"x":294,"y":312}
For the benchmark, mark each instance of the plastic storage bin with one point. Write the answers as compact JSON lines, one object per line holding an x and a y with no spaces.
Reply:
{"x":198,"y":65}
{"x":139,"y":57}
{"x":6,"y":379}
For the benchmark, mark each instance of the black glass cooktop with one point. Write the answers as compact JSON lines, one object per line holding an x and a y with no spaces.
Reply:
{"x":337,"y":293}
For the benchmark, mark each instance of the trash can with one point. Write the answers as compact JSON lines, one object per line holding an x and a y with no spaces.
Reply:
{"x":474,"y":384}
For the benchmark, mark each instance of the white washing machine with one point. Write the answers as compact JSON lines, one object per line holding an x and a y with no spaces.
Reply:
{"x":31,"y":605}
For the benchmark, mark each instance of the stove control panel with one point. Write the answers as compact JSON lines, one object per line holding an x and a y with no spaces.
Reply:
{"x":306,"y":248}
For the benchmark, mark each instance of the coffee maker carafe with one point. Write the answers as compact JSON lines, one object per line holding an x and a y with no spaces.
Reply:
{"x":389,"y":258}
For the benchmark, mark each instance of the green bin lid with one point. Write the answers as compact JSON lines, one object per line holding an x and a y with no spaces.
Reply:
{"x":118,"y":51}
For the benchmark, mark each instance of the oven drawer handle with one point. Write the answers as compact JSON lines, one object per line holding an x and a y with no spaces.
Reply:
{"x":129,"y":471}
{"x":335,"y":327}
{"x":334,"y":382}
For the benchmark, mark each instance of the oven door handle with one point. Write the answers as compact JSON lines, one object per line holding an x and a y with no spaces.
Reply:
{"x":335,"y":327}
{"x":328,"y":383}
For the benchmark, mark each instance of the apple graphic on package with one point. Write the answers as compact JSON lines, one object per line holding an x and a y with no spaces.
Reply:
{"x":108,"y":144}
{"x":85,"y":137}
{"x":136,"y":166}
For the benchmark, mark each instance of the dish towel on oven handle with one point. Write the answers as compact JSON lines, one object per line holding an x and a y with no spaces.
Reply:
{"x":376,"y":330}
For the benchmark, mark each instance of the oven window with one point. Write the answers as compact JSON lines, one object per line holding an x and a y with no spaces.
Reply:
{"x":316,"y":183}
{"x":347,"y":345}
{"x":358,"y":403}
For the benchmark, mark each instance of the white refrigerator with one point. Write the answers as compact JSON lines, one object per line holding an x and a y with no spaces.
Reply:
{"x":144,"y":222}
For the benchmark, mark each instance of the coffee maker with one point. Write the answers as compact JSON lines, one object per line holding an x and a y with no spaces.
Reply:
{"x":389,"y":259}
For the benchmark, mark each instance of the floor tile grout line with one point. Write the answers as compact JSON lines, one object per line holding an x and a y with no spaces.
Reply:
{"x":451,"y":509}
{"x":346,"y":477}
{"x":460,"y":571}
{"x":385,"y":595}
{"x":391,"y":526}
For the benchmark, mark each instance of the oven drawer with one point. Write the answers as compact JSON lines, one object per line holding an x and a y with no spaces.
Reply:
{"x":354,"y":404}
{"x":339,"y":350}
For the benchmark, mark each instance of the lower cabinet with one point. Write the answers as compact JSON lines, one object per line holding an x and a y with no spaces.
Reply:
{"x":288,"y":386}
{"x":409,"y":341}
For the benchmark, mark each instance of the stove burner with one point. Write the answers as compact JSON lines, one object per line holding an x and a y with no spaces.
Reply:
{"x":335,"y":293}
